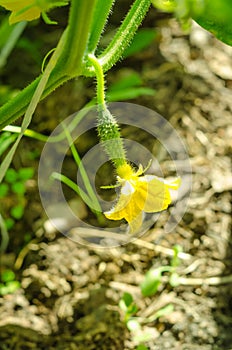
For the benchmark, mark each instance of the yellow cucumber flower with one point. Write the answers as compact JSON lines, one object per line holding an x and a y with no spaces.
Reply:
{"x":140,"y":194}
{"x":28,"y":10}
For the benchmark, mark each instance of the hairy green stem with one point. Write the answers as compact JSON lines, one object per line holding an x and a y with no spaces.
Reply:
{"x":68,"y":66}
{"x":124,"y":35}
{"x":107,"y":125}
{"x":31,"y":108}
{"x":101,"y":13}
{"x":79,"y":29}
{"x":100,"y":81}
{"x":110,"y":137}
{"x":71,"y":63}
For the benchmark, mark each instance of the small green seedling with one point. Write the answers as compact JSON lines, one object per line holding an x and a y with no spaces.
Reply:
{"x":8,"y":282}
{"x":135,"y":323}
{"x":154,"y":277}
{"x":142,"y":347}
{"x":128,"y":306}
{"x":150,"y":285}
{"x":15,"y":185}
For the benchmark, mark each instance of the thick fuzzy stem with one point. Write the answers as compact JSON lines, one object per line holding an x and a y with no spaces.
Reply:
{"x":108,"y":128}
{"x":109,"y":134}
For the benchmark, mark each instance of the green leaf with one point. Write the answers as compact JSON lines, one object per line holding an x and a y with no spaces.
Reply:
{"x":142,"y":39}
{"x":27,"y":237}
{"x":18,"y":188}
{"x":129,"y":94}
{"x":126,"y":81}
{"x":127,"y":298}
{"x":164,"y":5}
{"x":12,"y":286}
{"x":4,"y":188}
{"x":216,"y":17}
{"x":213,"y":15}
{"x":128,"y":87}
{"x":151,"y":282}
{"x":9,"y":288}
{"x":11,"y":175}
{"x":166,"y":310}
{"x":128,"y":305}
{"x":17,"y":211}
{"x":40,"y":84}
{"x":9,"y":35}
{"x":3,"y":289}
{"x":7,"y":275}
{"x":6,"y":94}
{"x":5,"y":31}
{"x":9,"y":222}
{"x":6,"y":139}
{"x":25,"y":173}
{"x":142,"y":347}
{"x":132,"y":309}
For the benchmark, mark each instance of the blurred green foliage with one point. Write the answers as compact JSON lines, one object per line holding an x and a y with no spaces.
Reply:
{"x":142,"y":39}
{"x":213,"y":15}
{"x":14,"y":185}
{"x":154,"y":277}
{"x":8,"y":282}
{"x":217,"y":18}
{"x":128,"y":87}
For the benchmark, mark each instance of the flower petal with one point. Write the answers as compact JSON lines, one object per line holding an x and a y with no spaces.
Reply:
{"x":117,"y":212}
{"x":13,"y":5}
{"x":28,"y":15}
{"x":136,"y":223}
{"x":140,"y":194}
{"x":154,"y":192}
{"x":126,"y":206}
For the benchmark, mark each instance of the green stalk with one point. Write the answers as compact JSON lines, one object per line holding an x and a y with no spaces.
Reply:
{"x":100,"y":81}
{"x":35,"y":135}
{"x":68,"y":66}
{"x":83,"y":173}
{"x":31,"y":108}
{"x":107,"y":125}
{"x":67,"y":181}
{"x":4,"y":236}
{"x":29,"y":133}
{"x":71,"y":61}
{"x":79,"y":29}
{"x":101,"y":13}
{"x":11,"y":42}
{"x":16,"y":107}
{"x":71,"y":184}
{"x":124,"y":35}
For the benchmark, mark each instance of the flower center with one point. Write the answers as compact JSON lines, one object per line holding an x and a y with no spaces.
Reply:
{"x":125,"y":171}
